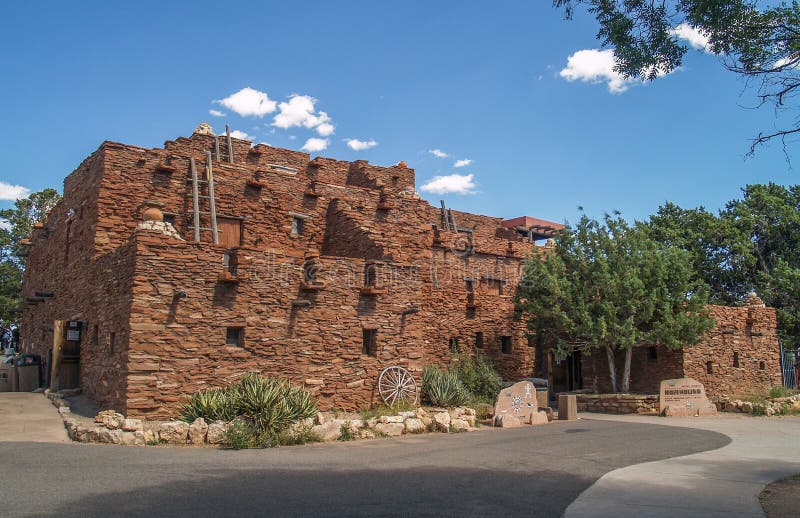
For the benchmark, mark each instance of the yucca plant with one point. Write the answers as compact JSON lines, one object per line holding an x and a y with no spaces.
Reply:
{"x":443,"y":388}
{"x":272,"y":404}
{"x":211,"y":404}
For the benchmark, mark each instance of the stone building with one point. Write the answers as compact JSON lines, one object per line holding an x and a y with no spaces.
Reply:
{"x":322,"y":272}
{"x":740,"y":355}
{"x":184,"y":267}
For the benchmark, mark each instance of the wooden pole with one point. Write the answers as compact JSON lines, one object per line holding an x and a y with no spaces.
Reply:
{"x":211,"y":202}
{"x":216,"y":147}
{"x":195,"y":201}
{"x":59,"y":337}
{"x":230,"y":143}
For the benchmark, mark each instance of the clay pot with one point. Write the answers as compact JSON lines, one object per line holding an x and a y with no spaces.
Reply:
{"x":153,"y":214}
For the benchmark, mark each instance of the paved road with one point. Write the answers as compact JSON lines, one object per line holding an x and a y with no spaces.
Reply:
{"x":724,"y":482}
{"x":533,"y":471}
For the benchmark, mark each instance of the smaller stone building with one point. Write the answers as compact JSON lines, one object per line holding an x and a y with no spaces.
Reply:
{"x":740,"y":355}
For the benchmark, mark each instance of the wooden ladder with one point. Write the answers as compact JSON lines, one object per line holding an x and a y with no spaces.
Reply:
{"x":212,"y":201}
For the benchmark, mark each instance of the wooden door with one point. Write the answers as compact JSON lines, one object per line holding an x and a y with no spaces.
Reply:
{"x":230,"y":232}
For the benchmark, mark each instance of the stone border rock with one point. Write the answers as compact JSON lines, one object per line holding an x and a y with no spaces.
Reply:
{"x":770,"y":407}
{"x":111,"y":427}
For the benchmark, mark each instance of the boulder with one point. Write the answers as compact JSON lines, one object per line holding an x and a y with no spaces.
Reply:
{"x":747,"y":407}
{"x":407,"y":414}
{"x":442,"y":420}
{"x":113,"y":421}
{"x":216,"y":432}
{"x":538,"y":418}
{"x":470,"y":419}
{"x":421,"y":412}
{"x":197,"y":431}
{"x":459,"y":425}
{"x":110,"y":436}
{"x":100,"y":415}
{"x":133,"y":438}
{"x":390,"y":429}
{"x":393,"y":418}
{"x":329,"y":431}
{"x":414,"y":425}
{"x":355,"y":425}
{"x":132,"y":425}
{"x":366,"y":433}
{"x":151,"y":437}
{"x":174,"y":432}
{"x":320,"y":418}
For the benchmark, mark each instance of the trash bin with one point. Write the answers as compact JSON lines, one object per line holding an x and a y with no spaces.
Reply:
{"x":5,"y":378}
{"x":28,"y":372}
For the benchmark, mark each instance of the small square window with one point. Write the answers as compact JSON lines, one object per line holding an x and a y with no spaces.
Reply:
{"x":709,"y":367}
{"x":369,"y":344}
{"x":652,"y":355}
{"x":762,"y":366}
{"x":736,"y":359}
{"x":370,"y":275}
{"x":297,"y":226}
{"x":505,"y":344}
{"x":470,"y":286}
{"x":234,"y":336}
{"x":169,"y":218}
{"x":531,"y":341}
{"x":479,"y":340}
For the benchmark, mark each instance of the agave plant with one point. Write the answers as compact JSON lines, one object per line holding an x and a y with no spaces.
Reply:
{"x":443,"y":388}
{"x":211,"y":404}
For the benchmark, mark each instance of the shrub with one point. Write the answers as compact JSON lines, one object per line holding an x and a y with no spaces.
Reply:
{"x":239,"y":435}
{"x":262,"y":409}
{"x":345,"y":433}
{"x":477,"y":374}
{"x":368,"y":412}
{"x":779,"y":391}
{"x":443,"y":388}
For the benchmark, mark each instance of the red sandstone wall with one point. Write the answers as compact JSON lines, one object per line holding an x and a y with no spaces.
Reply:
{"x":748,"y":331}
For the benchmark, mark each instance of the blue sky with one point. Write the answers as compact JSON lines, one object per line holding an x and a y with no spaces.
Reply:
{"x":476,"y":81}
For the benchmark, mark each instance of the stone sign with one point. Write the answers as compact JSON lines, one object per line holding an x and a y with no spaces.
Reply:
{"x":684,"y":397}
{"x":516,"y":406}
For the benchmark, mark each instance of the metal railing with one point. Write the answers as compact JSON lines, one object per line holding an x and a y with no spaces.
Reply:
{"x":788,"y":370}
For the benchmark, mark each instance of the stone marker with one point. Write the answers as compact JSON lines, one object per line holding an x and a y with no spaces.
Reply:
{"x":684,"y":397}
{"x":515,"y":405}
{"x":567,"y":407}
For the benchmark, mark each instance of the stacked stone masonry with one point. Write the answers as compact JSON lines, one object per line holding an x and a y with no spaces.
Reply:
{"x":315,"y":258}
{"x":284,"y":293}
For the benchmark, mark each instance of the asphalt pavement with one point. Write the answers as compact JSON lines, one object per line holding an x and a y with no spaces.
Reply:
{"x":532,"y":471}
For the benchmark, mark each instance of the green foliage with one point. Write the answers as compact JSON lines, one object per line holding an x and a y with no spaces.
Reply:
{"x":759,"y":409}
{"x":18,"y":224}
{"x":759,"y":40}
{"x":344,"y":433}
{"x":611,"y":286}
{"x":749,"y":245}
{"x":780,"y":391}
{"x":266,"y":406}
{"x":240,"y":435}
{"x":443,"y":388}
{"x":478,"y":376}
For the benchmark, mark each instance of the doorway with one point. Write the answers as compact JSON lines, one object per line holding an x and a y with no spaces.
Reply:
{"x":564,"y":372}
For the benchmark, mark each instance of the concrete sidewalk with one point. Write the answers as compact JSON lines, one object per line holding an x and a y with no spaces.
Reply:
{"x":29,"y":417}
{"x":723,"y":482}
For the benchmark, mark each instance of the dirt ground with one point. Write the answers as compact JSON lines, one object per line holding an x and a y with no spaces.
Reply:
{"x":781,"y":498}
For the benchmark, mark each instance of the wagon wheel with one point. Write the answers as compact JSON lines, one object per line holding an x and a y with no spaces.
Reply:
{"x":397,"y":384}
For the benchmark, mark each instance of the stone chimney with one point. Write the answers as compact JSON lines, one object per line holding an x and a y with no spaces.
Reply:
{"x":204,"y":129}
{"x":752,"y":300}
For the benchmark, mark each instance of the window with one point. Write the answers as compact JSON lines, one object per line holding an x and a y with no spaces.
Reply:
{"x":710,"y":367}
{"x":229,"y":262}
{"x":479,"y":340}
{"x":652,"y":355}
{"x":297,"y":226}
{"x":370,"y":277}
{"x":169,"y":218}
{"x":234,"y":336}
{"x":762,"y":366}
{"x":505,"y":344}
{"x":369,"y":344}
{"x":112,"y":342}
{"x":736,"y":359}
{"x":531,"y":341}
{"x":470,"y":286}
{"x":454,"y":348}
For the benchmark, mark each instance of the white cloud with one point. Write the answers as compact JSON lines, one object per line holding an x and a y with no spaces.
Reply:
{"x":10,"y":192}
{"x":325,"y":129}
{"x":462,"y":163}
{"x":249,"y":101}
{"x":314,"y":145}
{"x":595,"y":66}
{"x":4,"y":224}
{"x":453,"y":183}
{"x":242,"y":135}
{"x":360,"y":145}
{"x":438,"y":153}
{"x":300,"y":111}
{"x":694,"y":37}
{"x":216,"y":113}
